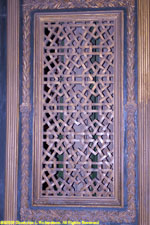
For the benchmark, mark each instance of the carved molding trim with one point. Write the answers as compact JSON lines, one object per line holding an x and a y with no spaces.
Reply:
{"x":144,"y":110}
{"x":128,"y":215}
{"x":12,"y":110}
{"x":93,"y":192}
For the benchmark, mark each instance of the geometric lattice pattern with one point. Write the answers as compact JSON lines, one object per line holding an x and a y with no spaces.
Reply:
{"x":78,"y":109}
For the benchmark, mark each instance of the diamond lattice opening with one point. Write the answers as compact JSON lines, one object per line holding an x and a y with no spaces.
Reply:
{"x":78,"y":113}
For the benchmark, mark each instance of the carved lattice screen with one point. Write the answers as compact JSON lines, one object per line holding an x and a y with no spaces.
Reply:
{"x":78,"y":109}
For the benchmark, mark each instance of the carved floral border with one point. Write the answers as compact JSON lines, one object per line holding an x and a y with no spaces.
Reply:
{"x":126,"y":216}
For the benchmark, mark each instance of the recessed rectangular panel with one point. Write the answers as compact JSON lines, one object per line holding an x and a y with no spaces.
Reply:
{"x":78,"y":105}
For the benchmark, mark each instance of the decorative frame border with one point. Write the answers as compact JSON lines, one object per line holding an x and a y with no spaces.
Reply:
{"x":116,"y":200}
{"x":128,"y":215}
{"x":143,"y":101}
{"x":12,"y":123}
{"x":144,"y":110}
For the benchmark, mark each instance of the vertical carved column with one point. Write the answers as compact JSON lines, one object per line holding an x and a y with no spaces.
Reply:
{"x":12,"y":109}
{"x":144,"y":110}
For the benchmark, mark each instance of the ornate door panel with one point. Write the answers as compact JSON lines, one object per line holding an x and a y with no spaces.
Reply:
{"x":74,"y":140}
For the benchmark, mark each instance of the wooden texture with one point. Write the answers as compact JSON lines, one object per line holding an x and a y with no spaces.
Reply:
{"x":144,"y":110}
{"x":79,"y":65}
{"x":125,"y":216}
{"x":12,"y":110}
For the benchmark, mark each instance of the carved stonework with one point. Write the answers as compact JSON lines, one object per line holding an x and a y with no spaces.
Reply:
{"x":124,"y":216}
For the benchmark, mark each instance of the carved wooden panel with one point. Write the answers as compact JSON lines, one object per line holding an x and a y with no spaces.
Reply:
{"x":52,"y":193}
{"x":78,"y":103}
{"x":20,"y":166}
